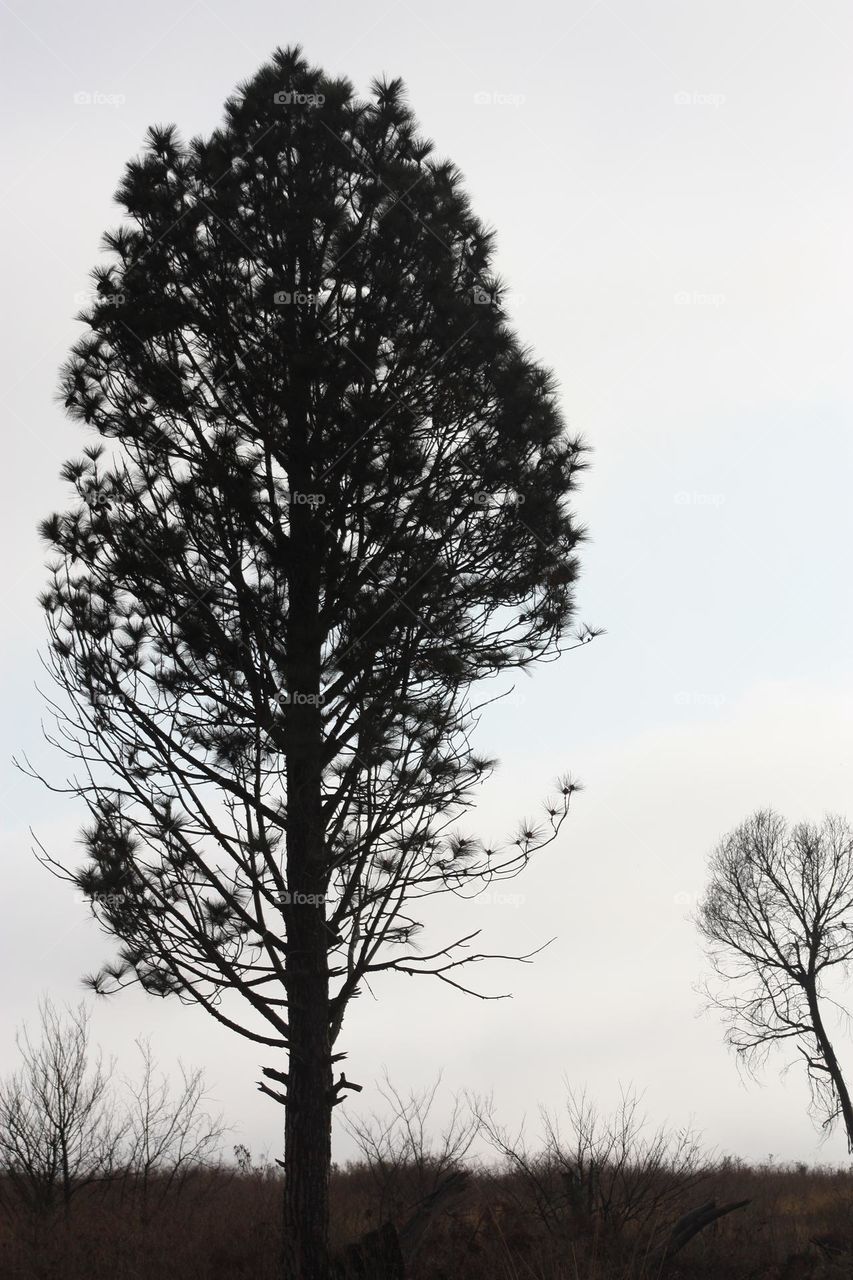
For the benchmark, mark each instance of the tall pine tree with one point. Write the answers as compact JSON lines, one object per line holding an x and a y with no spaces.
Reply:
{"x":328,"y":498}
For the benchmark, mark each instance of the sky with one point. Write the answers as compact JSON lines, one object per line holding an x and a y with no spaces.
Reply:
{"x":671,"y":188}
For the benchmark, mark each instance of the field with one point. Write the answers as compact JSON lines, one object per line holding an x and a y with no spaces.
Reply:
{"x":223,"y":1223}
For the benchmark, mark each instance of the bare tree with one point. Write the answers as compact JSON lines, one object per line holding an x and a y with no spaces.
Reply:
{"x":618,"y":1170}
{"x":399,"y":1147}
{"x":605,"y":1173}
{"x":170,"y":1133}
{"x":59,"y":1127}
{"x":775,"y":918}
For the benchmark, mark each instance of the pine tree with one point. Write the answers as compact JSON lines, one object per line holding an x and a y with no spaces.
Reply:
{"x":328,"y":497}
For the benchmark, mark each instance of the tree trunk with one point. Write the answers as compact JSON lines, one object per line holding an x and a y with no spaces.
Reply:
{"x":309,"y":1094}
{"x":67,"y":1187}
{"x":307,"y":1134}
{"x":833,"y":1066}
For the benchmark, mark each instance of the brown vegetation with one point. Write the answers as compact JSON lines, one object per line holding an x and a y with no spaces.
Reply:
{"x":223,"y":1224}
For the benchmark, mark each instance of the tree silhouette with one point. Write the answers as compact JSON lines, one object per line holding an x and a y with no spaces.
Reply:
{"x":328,"y":499}
{"x":775,"y":918}
{"x":60,"y":1127}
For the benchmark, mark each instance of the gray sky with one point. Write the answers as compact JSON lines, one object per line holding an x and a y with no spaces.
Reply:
{"x":671,"y":187}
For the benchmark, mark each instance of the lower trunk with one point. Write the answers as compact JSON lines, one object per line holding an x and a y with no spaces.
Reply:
{"x":307,"y":1134}
{"x":309,"y":1093}
{"x":833,"y":1068}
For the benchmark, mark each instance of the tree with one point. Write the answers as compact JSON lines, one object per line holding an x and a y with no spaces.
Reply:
{"x":169,"y":1134}
{"x":328,"y":499}
{"x":609,"y":1176}
{"x":60,"y":1129}
{"x":775,"y":918}
{"x":399,"y":1150}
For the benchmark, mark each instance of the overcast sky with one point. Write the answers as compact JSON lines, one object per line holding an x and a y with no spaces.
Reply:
{"x":671,"y":187}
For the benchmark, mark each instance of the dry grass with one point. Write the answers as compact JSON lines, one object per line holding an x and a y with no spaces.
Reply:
{"x":224,"y":1225}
